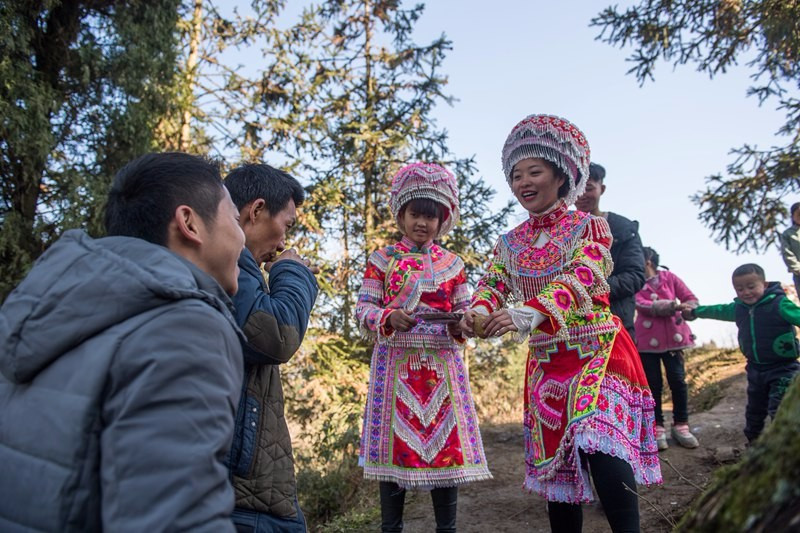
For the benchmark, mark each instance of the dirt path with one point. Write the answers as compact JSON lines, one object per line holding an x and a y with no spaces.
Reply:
{"x":501,"y":505}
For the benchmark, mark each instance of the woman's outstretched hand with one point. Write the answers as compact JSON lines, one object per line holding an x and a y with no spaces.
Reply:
{"x":498,"y":323}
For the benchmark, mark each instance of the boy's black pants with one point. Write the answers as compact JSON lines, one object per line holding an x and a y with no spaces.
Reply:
{"x":765,"y":390}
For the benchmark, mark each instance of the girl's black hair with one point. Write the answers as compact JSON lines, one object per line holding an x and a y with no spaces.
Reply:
{"x":425,"y":206}
{"x":652,"y":256}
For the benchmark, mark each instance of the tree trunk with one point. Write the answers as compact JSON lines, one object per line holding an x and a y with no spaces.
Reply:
{"x":347,"y":305}
{"x":368,"y":164}
{"x":762,"y":492}
{"x":191,"y":75}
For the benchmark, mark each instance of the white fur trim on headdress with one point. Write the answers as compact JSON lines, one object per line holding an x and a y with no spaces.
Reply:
{"x":552,"y":138}
{"x":426,"y":180}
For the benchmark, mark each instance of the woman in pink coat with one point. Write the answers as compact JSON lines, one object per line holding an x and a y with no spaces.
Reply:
{"x":661,"y":336}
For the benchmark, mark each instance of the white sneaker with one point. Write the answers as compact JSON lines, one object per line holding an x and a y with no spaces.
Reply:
{"x":661,"y":438}
{"x":681,"y":433}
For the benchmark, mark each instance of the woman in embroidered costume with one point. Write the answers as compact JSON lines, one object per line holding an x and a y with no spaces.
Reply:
{"x":420,"y":427}
{"x":587,"y":403}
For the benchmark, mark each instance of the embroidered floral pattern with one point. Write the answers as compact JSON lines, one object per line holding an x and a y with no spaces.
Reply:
{"x":584,"y":275}
{"x":571,"y":401}
{"x":562,"y":298}
{"x":420,"y":426}
{"x":631,"y":438}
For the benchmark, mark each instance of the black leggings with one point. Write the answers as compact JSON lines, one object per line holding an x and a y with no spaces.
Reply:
{"x":676,"y":379}
{"x":393,"y":498}
{"x":620,"y":505}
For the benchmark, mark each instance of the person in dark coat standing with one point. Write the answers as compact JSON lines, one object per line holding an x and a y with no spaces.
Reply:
{"x":627,"y":278}
{"x":121,"y":363}
{"x":274,"y":317}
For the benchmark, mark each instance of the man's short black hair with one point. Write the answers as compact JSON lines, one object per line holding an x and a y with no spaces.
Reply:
{"x":795,"y":206}
{"x":146,"y":192}
{"x":597,"y":172}
{"x":252,"y":181}
{"x":749,"y":268}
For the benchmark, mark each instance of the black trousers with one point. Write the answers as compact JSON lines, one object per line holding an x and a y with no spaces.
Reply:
{"x":393,"y":498}
{"x":765,"y":390}
{"x":620,"y":505}
{"x":676,"y":379}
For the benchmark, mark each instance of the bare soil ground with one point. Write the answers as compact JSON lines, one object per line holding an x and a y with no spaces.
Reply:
{"x":717,"y":401}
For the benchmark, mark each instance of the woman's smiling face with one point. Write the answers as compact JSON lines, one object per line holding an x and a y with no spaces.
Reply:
{"x":535,"y":184}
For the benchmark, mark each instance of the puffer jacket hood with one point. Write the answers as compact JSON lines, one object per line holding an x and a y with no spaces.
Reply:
{"x":87,"y":285}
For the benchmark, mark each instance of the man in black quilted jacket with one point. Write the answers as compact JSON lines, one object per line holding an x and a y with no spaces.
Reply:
{"x":627,"y":278}
{"x":274,"y":316}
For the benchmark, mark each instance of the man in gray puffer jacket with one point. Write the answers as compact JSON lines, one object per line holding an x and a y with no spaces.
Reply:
{"x":121,"y":364}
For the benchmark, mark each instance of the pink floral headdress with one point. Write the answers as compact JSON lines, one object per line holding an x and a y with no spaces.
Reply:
{"x":552,"y":138}
{"x":426,"y":180}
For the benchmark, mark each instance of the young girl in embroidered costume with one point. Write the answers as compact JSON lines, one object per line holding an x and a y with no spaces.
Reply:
{"x":420,"y":427}
{"x":586,"y":397}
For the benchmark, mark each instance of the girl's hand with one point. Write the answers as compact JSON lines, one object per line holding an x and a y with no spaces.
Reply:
{"x":664,"y":307}
{"x":498,"y":323}
{"x":467,"y":323}
{"x":401,"y":321}
{"x":454,"y":328}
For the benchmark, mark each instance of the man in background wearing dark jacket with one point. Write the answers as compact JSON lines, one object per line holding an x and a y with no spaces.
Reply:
{"x":121,"y":363}
{"x":274,"y":318}
{"x":627,"y":278}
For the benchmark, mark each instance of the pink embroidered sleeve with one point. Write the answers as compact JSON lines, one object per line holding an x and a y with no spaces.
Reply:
{"x":493,"y":288}
{"x":583,"y":278}
{"x":459,"y":299}
{"x":370,"y":313}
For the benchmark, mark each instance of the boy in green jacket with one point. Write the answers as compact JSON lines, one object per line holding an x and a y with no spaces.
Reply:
{"x":765,"y":318}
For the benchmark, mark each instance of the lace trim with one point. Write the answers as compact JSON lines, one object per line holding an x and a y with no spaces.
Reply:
{"x":424,"y":412}
{"x":428,"y":448}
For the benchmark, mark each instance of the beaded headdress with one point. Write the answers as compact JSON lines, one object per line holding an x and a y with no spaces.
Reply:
{"x":554,"y":139}
{"x":426,"y":180}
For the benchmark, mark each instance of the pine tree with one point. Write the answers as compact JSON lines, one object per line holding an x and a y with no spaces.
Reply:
{"x":744,"y":208}
{"x":350,"y":105}
{"x":213,"y":97}
{"x":81,"y":93}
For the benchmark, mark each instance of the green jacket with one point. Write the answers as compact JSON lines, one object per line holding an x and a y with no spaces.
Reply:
{"x":766,"y":328}
{"x":790,"y":249}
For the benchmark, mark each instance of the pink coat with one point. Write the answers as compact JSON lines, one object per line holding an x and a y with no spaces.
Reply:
{"x":658,"y":328}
